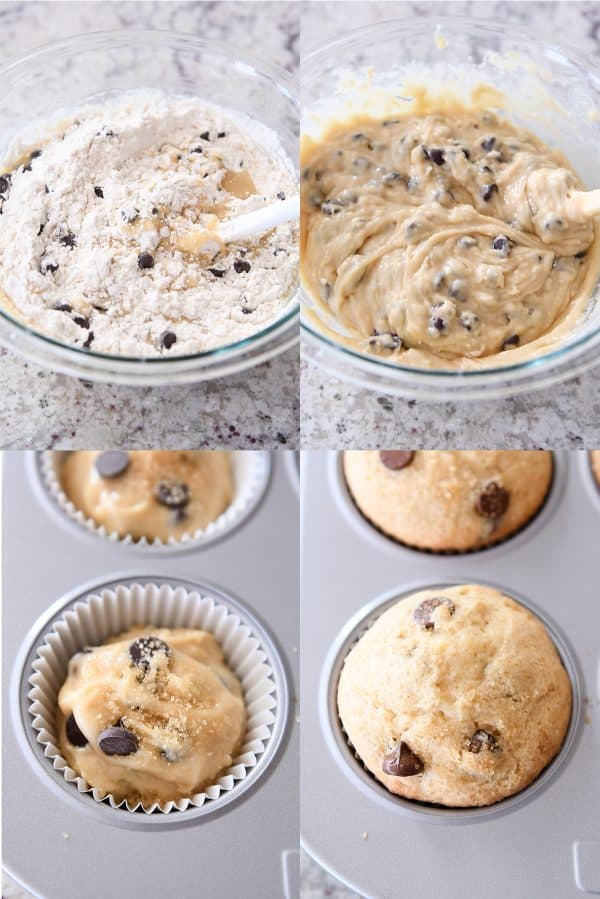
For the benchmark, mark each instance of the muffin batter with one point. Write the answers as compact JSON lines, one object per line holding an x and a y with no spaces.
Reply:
{"x":98,"y":244}
{"x":152,"y":715}
{"x":448,"y":500}
{"x":455,"y":696}
{"x":155,"y":494}
{"x":443,"y":238}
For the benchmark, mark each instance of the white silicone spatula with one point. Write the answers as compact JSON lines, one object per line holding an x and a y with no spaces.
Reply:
{"x":244,"y":226}
{"x":587,"y":202}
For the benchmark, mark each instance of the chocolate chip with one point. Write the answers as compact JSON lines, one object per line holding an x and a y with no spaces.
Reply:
{"x":511,"y":341}
{"x":105,"y":132}
{"x":68,"y":239}
{"x":145,"y":260}
{"x":41,"y":228}
{"x":437,"y":155}
{"x":402,"y":762}
{"x":488,"y":144}
{"x":26,"y":168}
{"x":142,"y":650}
{"x":240,"y":265}
{"x":217,"y":272}
{"x":82,"y":321}
{"x":481,"y":739}
{"x":205,"y":136}
{"x":99,"y":192}
{"x":466,"y":153}
{"x":5,"y":184}
{"x":222,"y":134}
{"x":173,"y":494}
{"x":63,"y":307}
{"x":117,"y":741}
{"x":423,"y":614}
{"x":88,"y":340}
{"x":502,"y":245}
{"x":581,"y":255}
{"x":493,"y":501}
{"x":396,"y":459}
{"x":487,"y":191}
{"x":74,"y":735}
{"x":48,"y":267}
{"x":155,"y":210}
{"x":167,"y":339}
{"x":196,"y":149}
{"x":112,"y":463}
{"x":281,"y":195}
{"x":246,"y":311}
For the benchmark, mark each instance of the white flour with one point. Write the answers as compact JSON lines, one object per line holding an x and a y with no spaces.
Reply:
{"x":117,"y":188}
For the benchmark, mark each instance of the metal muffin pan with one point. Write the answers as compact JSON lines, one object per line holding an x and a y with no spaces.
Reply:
{"x":50,"y":844}
{"x":384,"y":847}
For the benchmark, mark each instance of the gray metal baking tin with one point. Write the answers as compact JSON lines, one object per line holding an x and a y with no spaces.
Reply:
{"x":56,"y":843}
{"x":384,"y":849}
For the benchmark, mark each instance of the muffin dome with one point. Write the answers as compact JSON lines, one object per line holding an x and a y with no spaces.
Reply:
{"x":455,"y":696}
{"x":448,"y":500}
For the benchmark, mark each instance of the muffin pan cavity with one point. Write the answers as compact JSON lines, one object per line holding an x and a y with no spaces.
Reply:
{"x":352,"y":766}
{"x":251,"y":472}
{"x":381,"y":845}
{"x":379,"y":539}
{"x":91,"y":616}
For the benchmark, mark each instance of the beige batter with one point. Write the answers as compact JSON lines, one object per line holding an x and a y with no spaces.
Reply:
{"x":446,"y":239}
{"x":175,"y":705}
{"x":455,"y":696}
{"x":158,"y":493}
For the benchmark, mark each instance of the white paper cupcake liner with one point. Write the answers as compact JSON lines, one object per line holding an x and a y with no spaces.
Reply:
{"x":251,"y":469}
{"x":112,"y":611}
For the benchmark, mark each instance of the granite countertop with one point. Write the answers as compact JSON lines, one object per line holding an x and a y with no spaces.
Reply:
{"x":258,"y":408}
{"x":337,"y":414}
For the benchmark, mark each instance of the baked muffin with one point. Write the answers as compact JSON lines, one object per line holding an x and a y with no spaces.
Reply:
{"x":448,"y":500}
{"x":155,"y":494}
{"x":456,"y":697}
{"x":153,"y":715}
{"x":595,"y":463}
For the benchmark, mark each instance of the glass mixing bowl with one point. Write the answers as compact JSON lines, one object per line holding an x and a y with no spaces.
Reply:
{"x":84,"y":68}
{"x":548,"y":89}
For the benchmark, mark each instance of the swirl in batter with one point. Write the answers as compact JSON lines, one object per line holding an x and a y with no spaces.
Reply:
{"x":444,"y":240}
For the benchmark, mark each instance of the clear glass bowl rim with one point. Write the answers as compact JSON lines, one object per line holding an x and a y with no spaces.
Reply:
{"x":273,"y":72}
{"x":460,"y":24}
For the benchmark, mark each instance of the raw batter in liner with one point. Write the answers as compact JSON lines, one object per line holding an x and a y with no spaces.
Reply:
{"x":153,"y":715}
{"x":155,"y":494}
{"x":97,"y":243}
{"x":443,"y":238}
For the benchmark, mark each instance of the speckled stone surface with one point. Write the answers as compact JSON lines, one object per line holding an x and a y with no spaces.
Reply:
{"x":258,"y":408}
{"x":337,"y":414}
